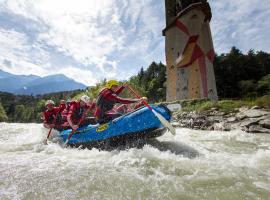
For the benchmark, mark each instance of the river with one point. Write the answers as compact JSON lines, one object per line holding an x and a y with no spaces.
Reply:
{"x":190,"y":165}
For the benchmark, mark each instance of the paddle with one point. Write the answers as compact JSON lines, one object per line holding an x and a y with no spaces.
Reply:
{"x":159,"y":116}
{"x":45,"y":141}
{"x":73,"y":131}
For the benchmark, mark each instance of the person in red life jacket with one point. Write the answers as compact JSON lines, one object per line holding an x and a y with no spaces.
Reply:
{"x":76,"y":116}
{"x":65,"y":111}
{"x":140,"y":104}
{"x":65,"y":105}
{"x":123,"y":109}
{"x":52,"y":116}
{"x":107,"y":99}
{"x":127,"y":108}
{"x":62,"y":104}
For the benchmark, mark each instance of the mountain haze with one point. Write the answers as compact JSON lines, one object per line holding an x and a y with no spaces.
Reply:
{"x":33,"y":85}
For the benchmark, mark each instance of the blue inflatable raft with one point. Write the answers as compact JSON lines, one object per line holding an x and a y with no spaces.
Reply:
{"x":139,"y":124}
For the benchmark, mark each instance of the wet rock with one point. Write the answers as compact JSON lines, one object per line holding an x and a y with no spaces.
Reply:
{"x":252,"y":113}
{"x":265,"y":123}
{"x":240,"y":116}
{"x":236,"y":126}
{"x":217,"y":113}
{"x":249,"y":121}
{"x":255,"y":107}
{"x":198,"y":123}
{"x":176,"y":124}
{"x":215,"y":119}
{"x":258,"y":129}
{"x":222,"y":126}
{"x":242,"y":109}
{"x":231,"y":119}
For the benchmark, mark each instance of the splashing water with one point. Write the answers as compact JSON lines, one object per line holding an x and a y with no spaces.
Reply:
{"x":190,"y":165}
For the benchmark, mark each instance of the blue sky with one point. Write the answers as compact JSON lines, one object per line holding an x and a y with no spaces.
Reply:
{"x":89,"y":40}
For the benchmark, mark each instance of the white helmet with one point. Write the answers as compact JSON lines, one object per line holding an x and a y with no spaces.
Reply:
{"x":85,"y":98}
{"x":49,"y":102}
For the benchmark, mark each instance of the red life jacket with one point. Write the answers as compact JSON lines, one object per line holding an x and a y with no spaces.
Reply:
{"x":106,"y":101}
{"x":76,"y":111}
{"x":103,"y":103}
{"x":64,"y":113}
{"x":52,"y":116}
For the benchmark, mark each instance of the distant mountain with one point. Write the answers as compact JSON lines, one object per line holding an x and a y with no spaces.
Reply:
{"x":4,"y":74}
{"x":33,"y":85}
{"x":14,"y":82}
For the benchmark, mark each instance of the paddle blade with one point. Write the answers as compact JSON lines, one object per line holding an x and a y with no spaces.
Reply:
{"x":65,"y":144}
{"x":164,"y":122}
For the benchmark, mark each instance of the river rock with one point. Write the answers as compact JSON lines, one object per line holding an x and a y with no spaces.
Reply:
{"x":255,"y":107}
{"x":176,"y":124}
{"x":222,"y":126}
{"x":240,"y":116}
{"x":252,"y":113}
{"x":242,"y":109}
{"x":258,"y":129}
{"x":236,"y":126}
{"x":216,"y":113}
{"x":231,"y":119}
{"x":249,"y":121}
{"x":265,"y":123}
{"x":215,"y":119}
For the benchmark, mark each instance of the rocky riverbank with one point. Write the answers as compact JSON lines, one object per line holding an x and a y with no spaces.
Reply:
{"x":255,"y":119}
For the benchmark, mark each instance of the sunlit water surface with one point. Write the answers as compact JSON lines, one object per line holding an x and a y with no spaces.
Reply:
{"x":191,"y":165}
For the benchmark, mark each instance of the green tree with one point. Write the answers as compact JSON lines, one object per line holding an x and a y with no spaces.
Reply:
{"x":20,"y":113}
{"x":248,"y":88}
{"x":264,"y":86}
{"x":3,"y":116}
{"x":234,"y":71}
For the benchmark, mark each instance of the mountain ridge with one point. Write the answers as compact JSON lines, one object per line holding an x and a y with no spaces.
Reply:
{"x":35,"y":85}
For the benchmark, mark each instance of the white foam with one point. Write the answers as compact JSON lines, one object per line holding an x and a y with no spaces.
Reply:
{"x":189,"y":158}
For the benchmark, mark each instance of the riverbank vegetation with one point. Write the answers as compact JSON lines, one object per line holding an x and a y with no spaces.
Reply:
{"x":24,"y":108}
{"x":242,"y":77}
{"x":224,"y":105}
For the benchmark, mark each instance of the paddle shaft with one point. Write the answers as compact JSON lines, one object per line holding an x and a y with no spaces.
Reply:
{"x":81,"y":120}
{"x":49,"y":134}
{"x":159,"y":116}
{"x":144,"y":102}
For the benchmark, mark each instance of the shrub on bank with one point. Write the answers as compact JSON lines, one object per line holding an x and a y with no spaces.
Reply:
{"x":224,"y":105}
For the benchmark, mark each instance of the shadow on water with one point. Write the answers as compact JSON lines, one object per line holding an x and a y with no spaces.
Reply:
{"x":176,"y":148}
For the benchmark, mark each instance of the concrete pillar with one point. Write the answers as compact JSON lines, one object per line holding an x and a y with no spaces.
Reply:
{"x":189,"y":51}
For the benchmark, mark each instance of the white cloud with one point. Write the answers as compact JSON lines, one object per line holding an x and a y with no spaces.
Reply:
{"x":240,"y":23}
{"x":79,"y":75}
{"x":79,"y":28}
{"x":16,"y":54}
{"x":96,"y":34}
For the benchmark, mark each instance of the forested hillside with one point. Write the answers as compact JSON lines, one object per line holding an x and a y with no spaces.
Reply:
{"x":238,"y":76}
{"x":24,"y":108}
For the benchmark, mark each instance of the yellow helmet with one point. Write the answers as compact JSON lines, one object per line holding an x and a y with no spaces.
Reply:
{"x":112,"y":83}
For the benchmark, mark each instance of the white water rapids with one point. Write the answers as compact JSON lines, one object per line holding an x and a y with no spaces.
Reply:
{"x":190,"y":165}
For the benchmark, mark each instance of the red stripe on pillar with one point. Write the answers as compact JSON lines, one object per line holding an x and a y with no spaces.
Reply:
{"x":211,"y":55}
{"x":197,"y":53}
{"x":202,"y":67}
{"x":182,"y":27}
{"x":193,"y":38}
